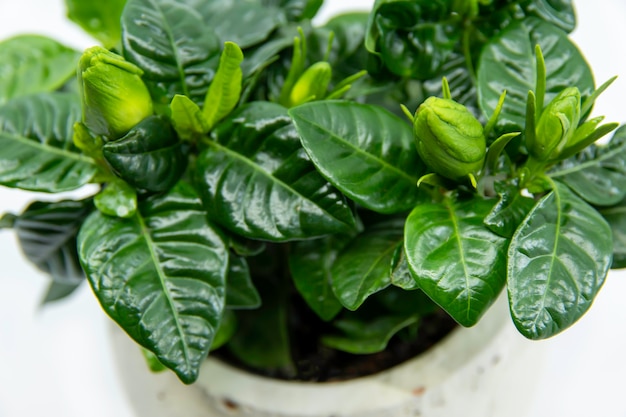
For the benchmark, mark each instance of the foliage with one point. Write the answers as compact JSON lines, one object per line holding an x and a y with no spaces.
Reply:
{"x":253,"y":168}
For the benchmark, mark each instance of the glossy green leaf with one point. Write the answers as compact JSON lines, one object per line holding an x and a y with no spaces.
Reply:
{"x":34,"y":64}
{"x":170,"y":42}
{"x":413,"y":38}
{"x":36,"y":148}
{"x":117,"y":199}
{"x":310,"y":263}
{"x":240,"y":291}
{"x":508,"y":63}
{"x":455,"y":259}
{"x":558,"y":260}
{"x":161,"y":276}
{"x":258,"y":181}
{"x":47,"y":233}
{"x":187,"y":118}
{"x":401,"y":276}
{"x":460,"y":81}
{"x":367,"y":336}
{"x":363,"y":267}
{"x":365,"y":151}
{"x":510,"y":211}
{"x":254,"y":22}
{"x":149,"y":157}
{"x":296,"y":10}
{"x":560,"y":13}
{"x":101,"y":19}
{"x":598,"y":174}
{"x":616,"y":217}
{"x":225,"y":90}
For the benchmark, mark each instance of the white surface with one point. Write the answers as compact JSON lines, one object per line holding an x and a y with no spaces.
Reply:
{"x":57,"y":362}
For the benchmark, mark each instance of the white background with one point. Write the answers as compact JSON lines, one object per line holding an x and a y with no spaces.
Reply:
{"x":56,"y":361}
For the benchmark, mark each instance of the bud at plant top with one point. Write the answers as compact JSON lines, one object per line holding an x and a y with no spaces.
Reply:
{"x":557,"y":124}
{"x":449,"y":138}
{"x":312,"y":84}
{"x":114,"y":98}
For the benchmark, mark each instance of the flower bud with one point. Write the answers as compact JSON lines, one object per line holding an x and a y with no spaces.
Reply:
{"x":556,"y":126}
{"x":114,"y":98}
{"x":312,"y":84}
{"x":449,"y":138}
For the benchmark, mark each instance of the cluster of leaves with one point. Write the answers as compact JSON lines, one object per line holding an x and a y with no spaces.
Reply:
{"x":225,"y":207}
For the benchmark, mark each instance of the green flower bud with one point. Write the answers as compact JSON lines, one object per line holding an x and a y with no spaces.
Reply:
{"x":449,"y":138}
{"x":556,"y":126}
{"x":114,"y":97}
{"x":312,"y":84}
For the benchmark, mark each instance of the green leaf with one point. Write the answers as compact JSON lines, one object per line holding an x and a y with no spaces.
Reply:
{"x":58,"y":291}
{"x":363,"y":267}
{"x":413,"y":38}
{"x":558,"y":260}
{"x":560,"y":13}
{"x":187,"y":118}
{"x":225,"y":90}
{"x":508,"y":63}
{"x":47,"y":233}
{"x":244,"y":22}
{"x":262,"y":339}
{"x":616,"y":217}
{"x":240,"y":291}
{"x":149,"y":157}
{"x":365,"y":151}
{"x":296,"y":10}
{"x":228,"y":327}
{"x":455,"y":259}
{"x":161,"y":276}
{"x":101,"y":19}
{"x":510,"y":211}
{"x":310,"y":262}
{"x":258,"y":181}
{"x":170,"y":42}
{"x":598,"y":174}
{"x":367,"y":336}
{"x":34,"y":64}
{"x":36,"y":148}
{"x":117,"y":199}
{"x":400,"y":273}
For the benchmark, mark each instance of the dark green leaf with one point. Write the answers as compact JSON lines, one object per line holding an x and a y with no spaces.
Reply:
{"x":101,"y":19}
{"x":367,"y":336}
{"x":149,"y":157}
{"x":57,"y":291}
{"x":598,"y":174}
{"x":170,"y":42}
{"x":47,"y":235}
{"x":262,"y":340}
{"x":460,"y":81}
{"x":456,"y":260}
{"x":310,"y":262}
{"x":365,"y":151}
{"x":413,"y":38}
{"x":33,"y":64}
{"x":161,"y":276}
{"x":510,"y":211}
{"x":508,"y":63}
{"x":117,"y":199}
{"x":616,"y":217}
{"x":363,"y":267}
{"x":244,"y":22}
{"x":296,"y":10}
{"x":36,"y":148}
{"x":240,"y":291}
{"x":258,"y":181}
{"x":400,"y":273}
{"x":558,"y":12}
{"x":558,"y":260}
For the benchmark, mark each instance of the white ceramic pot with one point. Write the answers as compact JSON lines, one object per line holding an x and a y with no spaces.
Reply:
{"x":488,"y":370}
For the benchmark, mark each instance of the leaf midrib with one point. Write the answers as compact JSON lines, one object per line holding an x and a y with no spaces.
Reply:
{"x":47,"y":148}
{"x":269,"y":175}
{"x":361,"y":151}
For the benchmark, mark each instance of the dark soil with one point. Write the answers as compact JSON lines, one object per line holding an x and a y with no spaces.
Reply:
{"x":317,"y":363}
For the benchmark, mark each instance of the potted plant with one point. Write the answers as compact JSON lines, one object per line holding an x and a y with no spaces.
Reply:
{"x":259,"y":184}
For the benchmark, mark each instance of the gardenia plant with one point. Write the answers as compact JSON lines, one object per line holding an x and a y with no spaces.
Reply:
{"x":355,"y":178}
